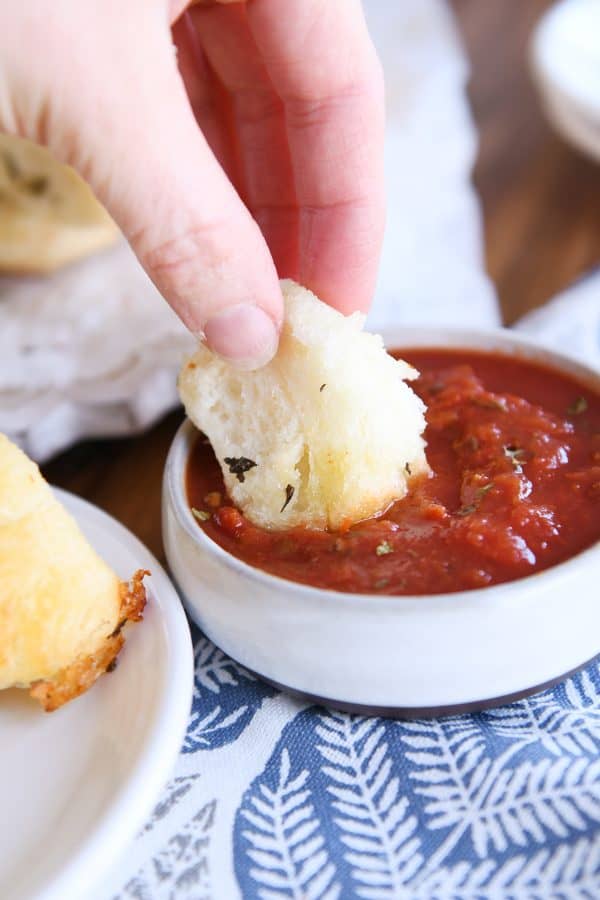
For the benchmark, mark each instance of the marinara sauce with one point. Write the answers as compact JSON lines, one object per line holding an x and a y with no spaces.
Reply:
{"x":514,"y":451}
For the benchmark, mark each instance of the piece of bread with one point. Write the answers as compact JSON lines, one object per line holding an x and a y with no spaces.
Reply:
{"x":325,"y":435}
{"x":48,"y":214}
{"x":61,"y":607}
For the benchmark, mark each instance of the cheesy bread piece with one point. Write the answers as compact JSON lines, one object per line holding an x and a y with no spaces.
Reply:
{"x":48,"y":214}
{"x":327,"y":434}
{"x":62,"y":609}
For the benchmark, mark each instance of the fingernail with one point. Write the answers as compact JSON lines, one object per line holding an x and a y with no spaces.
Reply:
{"x":244,"y":335}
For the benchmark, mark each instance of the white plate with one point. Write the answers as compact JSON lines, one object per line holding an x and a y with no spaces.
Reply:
{"x":76,"y":784}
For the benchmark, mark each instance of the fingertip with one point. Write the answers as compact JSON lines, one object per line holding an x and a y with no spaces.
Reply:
{"x":244,"y":335}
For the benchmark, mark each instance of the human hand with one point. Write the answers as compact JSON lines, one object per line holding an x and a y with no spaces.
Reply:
{"x":255,"y":149}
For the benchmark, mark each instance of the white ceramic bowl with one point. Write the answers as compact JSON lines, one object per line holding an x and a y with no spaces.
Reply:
{"x":410,"y":655}
{"x":565,"y":63}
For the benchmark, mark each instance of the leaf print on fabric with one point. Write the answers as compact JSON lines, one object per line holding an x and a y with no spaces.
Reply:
{"x":447,"y":809}
{"x":582,"y":691}
{"x":570,"y":725}
{"x":213,"y":668}
{"x":570,"y":872}
{"x":495,"y":804}
{"x":225,"y":698}
{"x":174,"y":791}
{"x":214,"y":729}
{"x":373,"y":818}
{"x":451,"y":769}
{"x":283,"y":840}
{"x":180,"y":870}
{"x":534,"y":800}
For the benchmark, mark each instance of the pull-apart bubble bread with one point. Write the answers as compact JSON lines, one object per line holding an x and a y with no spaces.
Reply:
{"x":62,"y":609}
{"x":328,"y":433}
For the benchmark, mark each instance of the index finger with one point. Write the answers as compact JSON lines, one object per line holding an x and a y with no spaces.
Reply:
{"x":322,"y":64}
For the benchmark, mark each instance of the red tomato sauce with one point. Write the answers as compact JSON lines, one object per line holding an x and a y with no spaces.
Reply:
{"x":514,"y":450}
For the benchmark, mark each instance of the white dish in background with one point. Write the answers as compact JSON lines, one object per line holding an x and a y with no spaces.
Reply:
{"x":565,"y":61}
{"x":396,"y":655}
{"x":76,"y":784}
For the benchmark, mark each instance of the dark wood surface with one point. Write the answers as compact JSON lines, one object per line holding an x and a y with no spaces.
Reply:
{"x":541,"y":204}
{"x":541,"y":198}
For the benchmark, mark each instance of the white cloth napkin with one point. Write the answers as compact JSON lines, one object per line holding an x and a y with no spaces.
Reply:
{"x":432,"y":264}
{"x":570,"y":322}
{"x":89,"y":351}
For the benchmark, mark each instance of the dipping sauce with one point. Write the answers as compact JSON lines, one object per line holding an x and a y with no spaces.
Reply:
{"x":514,"y":450}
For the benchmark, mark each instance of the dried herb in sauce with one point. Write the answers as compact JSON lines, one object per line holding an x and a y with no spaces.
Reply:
{"x":489,"y":403}
{"x":471,"y":443}
{"x":481,"y":492}
{"x":577,"y":407}
{"x":407,"y":468}
{"x":383,"y":548}
{"x":289,"y":493}
{"x":515,"y":454}
{"x":239,"y":465}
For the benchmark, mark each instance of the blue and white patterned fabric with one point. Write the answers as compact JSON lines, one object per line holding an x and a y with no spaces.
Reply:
{"x":273,"y":799}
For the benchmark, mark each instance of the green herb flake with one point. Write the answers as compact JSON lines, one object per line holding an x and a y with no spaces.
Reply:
{"x":515,"y":454}
{"x":381,"y":584}
{"x":383,"y":548}
{"x":201,"y":514}
{"x":578,"y":406}
{"x":489,"y":403}
{"x":321,"y":389}
{"x":239,"y":465}
{"x":407,"y":468}
{"x":289,"y":493}
{"x":472,"y":507}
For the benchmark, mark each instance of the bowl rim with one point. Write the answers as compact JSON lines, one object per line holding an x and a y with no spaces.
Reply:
{"x":544,"y":71}
{"x":416,"y":337}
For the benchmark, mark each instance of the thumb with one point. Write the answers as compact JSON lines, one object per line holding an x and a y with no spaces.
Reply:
{"x":150,"y":165}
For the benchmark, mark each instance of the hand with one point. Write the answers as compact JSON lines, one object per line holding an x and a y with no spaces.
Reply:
{"x":254,"y":148}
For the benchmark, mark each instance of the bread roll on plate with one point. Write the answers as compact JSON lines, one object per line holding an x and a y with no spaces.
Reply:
{"x":48,"y":214}
{"x":327,"y":434}
{"x":62,"y":609}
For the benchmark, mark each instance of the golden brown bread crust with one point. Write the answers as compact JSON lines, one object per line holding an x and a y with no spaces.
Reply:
{"x":48,"y":215}
{"x":78,"y":677}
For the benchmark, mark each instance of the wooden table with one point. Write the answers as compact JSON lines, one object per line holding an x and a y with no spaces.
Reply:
{"x":541,"y":203}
